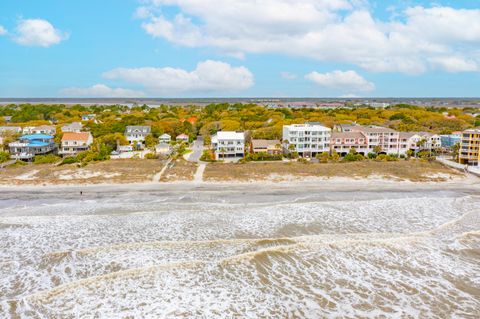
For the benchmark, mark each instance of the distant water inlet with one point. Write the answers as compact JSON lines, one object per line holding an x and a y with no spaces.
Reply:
{"x":217,"y":254}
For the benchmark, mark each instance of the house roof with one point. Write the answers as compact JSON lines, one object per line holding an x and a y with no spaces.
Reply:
{"x":74,"y":125}
{"x":165,"y":136}
{"x":141,"y":128}
{"x":10,"y":128}
{"x":264,"y":143}
{"x":73,"y":136}
{"x":347,"y":135}
{"x":182,"y":136}
{"x":372,"y":129}
{"x":44,"y":127}
{"x":230,"y":135}
{"x":36,"y":137}
{"x":472,"y":130}
{"x":192,"y":120}
{"x":406,"y":134}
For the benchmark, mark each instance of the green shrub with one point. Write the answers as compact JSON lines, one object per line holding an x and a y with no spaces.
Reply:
{"x":372,"y":155}
{"x":18,"y":163}
{"x":350,"y":157}
{"x":426,"y":155}
{"x":69,"y":160}
{"x":4,"y":156}
{"x":263,"y":157}
{"x":303,"y":160}
{"x":151,"y":156}
{"x":323,"y":157}
{"x":386,"y":158}
{"x":207,"y":156}
{"x":46,"y":159}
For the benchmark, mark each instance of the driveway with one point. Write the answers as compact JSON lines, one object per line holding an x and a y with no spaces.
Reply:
{"x":197,"y":149}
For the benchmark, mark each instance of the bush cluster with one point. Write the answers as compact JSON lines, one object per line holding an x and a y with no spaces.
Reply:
{"x":263,"y":157}
{"x":4,"y":156}
{"x":46,"y":159}
{"x":207,"y":156}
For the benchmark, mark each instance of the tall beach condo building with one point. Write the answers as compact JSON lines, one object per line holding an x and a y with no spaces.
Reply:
{"x":307,"y":139}
{"x":470,"y":147}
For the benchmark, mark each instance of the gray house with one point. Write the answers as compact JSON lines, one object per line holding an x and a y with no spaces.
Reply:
{"x":137,"y":133}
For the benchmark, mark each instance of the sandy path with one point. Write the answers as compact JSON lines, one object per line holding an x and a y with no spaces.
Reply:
{"x":156,"y":177}
{"x":198,"y":177}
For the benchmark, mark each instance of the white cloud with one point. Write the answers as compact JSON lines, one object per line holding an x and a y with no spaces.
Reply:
{"x":208,"y":76}
{"x":142,"y":13}
{"x":327,"y":30}
{"x":38,"y":32}
{"x":2,"y":30}
{"x":100,"y":90}
{"x":344,"y":81}
{"x":288,"y":76}
{"x":455,"y":64}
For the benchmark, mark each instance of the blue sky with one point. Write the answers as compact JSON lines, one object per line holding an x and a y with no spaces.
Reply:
{"x":284,"y":48}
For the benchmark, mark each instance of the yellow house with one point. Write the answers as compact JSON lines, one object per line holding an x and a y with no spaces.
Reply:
{"x":469,"y":152}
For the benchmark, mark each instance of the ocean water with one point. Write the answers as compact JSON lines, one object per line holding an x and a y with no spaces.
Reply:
{"x":261,"y":253}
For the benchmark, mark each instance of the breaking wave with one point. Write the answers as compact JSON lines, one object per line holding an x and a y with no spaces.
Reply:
{"x":379,"y":256}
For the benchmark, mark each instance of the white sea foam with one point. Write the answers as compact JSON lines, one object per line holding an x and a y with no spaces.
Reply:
{"x":207,"y":256}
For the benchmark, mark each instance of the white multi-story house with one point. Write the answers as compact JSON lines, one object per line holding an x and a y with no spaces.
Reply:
{"x":227,"y":144}
{"x":75,"y":142}
{"x":308,"y":139}
{"x":137,"y":134}
{"x":418,"y":141}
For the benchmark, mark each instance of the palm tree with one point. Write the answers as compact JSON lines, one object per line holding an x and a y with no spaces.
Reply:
{"x":420,"y":144}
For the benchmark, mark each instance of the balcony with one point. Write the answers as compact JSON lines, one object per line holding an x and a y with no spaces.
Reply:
{"x":22,"y":156}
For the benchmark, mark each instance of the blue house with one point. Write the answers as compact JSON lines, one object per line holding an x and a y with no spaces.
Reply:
{"x":28,"y":146}
{"x":449,"y":141}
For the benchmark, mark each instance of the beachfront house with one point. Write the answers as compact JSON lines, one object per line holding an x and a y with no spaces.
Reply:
{"x":75,"y":142}
{"x":136,"y":134}
{"x":381,"y":139}
{"x":42,"y":129}
{"x":182,"y":138}
{"x":421,"y":141}
{"x":343,"y":142}
{"x":469,"y":153}
{"x":450,"y":140}
{"x":165,"y":139}
{"x":28,"y":146}
{"x":74,"y":127}
{"x":228,"y":144}
{"x":7,"y":119}
{"x":307,"y":139}
{"x":272,"y":147}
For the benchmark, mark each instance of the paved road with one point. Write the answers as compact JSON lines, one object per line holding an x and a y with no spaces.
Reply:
{"x":197,"y":149}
